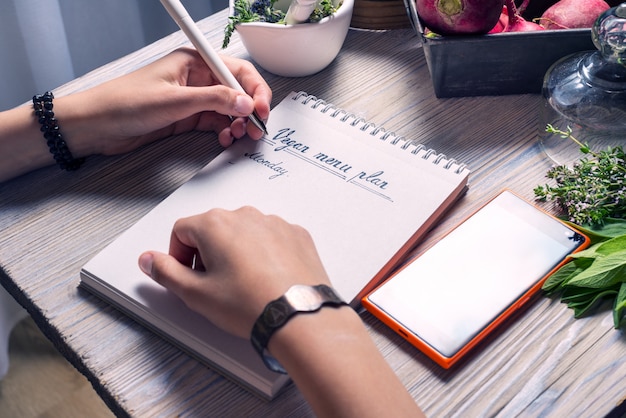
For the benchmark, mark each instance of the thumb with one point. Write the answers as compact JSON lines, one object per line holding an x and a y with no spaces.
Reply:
{"x":167,"y":271}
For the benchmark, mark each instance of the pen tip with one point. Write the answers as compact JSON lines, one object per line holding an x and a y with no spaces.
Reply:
{"x":258,"y":123}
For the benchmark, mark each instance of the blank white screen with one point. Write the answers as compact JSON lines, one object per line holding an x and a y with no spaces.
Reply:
{"x":463,"y":282}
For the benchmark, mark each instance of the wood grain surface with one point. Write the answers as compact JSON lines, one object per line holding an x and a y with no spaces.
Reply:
{"x":541,"y":363}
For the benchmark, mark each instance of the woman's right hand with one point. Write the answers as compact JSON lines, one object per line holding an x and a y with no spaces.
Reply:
{"x":243,"y":260}
{"x":174,"y":94}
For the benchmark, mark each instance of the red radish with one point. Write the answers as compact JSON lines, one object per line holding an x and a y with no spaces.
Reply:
{"x":502,"y":22}
{"x":516,"y":22}
{"x":570,"y":14}
{"x":455,"y":17}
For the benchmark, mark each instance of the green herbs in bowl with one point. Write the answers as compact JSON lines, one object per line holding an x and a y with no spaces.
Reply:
{"x":290,"y":50}
{"x":264,"y":11}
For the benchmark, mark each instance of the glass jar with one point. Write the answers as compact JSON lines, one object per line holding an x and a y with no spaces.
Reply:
{"x":584,"y":94}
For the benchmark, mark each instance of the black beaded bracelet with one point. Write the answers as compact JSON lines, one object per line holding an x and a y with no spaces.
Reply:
{"x":42,"y":104}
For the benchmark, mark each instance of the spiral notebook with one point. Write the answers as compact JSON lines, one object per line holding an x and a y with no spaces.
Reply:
{"x":365,"y":194}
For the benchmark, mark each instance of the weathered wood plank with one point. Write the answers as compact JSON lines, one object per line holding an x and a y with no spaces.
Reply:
{"x":543,"y":362}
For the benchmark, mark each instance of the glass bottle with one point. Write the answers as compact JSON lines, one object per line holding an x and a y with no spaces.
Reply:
{"x":586,"y":92}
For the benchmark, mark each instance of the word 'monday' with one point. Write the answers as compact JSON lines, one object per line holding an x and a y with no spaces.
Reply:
{"x":259,"y":157}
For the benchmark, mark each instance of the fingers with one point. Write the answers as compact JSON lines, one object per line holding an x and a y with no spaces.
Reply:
{"x":216,"y":98}
{"x":211,"y":108}
{"x":253,"y":83}
{"x":225,"y":101}
{"x":180,"y":279}
{"x":246,"y":259}
{"x":194,"y":90}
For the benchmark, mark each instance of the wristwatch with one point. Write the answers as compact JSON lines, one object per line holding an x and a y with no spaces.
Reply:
{"x":298,"y":299}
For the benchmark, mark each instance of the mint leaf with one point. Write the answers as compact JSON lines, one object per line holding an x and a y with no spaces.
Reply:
{"x":578,"y":295}
{"x":588,"y":253}
{"x":555,"y":280}
{"x":605,"y":271}
{"x":620,"y":304}
{"x":603,"y":248}
{"x":613,"y":245}
{"x":581,"y":307}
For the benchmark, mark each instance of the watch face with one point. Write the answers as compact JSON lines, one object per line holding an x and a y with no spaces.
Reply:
{"x":299,"y":298}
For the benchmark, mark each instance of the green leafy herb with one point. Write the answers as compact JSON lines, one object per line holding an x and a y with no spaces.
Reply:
{"x":595,"y":274}
{"x":620,"y":304}
{"x":243,"y":13}
{"x":264,"y":11}
{"x":593,"y":195}
{"x":593,"y":189}
{"x":324,"y":8}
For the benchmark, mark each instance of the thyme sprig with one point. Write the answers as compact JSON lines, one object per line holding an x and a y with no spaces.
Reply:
{"x":593,"y":189}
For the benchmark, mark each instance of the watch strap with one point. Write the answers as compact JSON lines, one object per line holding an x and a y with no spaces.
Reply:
{"x":298,"y":299}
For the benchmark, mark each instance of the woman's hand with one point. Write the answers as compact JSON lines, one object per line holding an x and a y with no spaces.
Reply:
{"x":243,"y":260}
{"x":175,"y":94}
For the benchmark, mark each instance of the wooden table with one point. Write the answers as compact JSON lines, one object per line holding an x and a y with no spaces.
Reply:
{"x":544,"y":362}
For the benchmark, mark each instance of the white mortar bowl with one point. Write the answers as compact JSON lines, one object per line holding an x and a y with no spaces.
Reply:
{"x":296,"y":50}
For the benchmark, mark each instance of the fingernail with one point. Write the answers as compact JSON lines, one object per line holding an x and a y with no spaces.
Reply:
{"x":244,"y":105}
{"x":145,"y":263}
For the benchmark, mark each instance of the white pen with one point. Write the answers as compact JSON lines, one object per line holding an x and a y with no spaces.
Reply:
{"x":180,"y":15}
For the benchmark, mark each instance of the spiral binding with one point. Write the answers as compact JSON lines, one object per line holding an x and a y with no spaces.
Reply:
{"x":379,"y":131}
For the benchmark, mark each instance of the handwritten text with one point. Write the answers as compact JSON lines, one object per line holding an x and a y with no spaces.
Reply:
{"x":373,"y":179}
{"x":259,"y":157}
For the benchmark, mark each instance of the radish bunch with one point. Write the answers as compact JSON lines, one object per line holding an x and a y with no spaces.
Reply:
{"x":456,"y":17}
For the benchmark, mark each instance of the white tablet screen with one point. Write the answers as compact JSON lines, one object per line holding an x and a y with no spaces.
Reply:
{"x":466,"y":280}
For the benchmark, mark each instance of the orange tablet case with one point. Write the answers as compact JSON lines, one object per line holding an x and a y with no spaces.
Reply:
{"x":440,"y":359}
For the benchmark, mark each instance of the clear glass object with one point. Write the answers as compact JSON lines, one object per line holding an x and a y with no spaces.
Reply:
{"x":586,"y":92}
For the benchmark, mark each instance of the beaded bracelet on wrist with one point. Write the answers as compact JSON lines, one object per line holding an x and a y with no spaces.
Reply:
{"x":42,"y":104}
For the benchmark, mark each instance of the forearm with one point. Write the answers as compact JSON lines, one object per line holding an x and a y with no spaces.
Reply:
{"x":23,"y":147}
{"x":338,"y":368}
